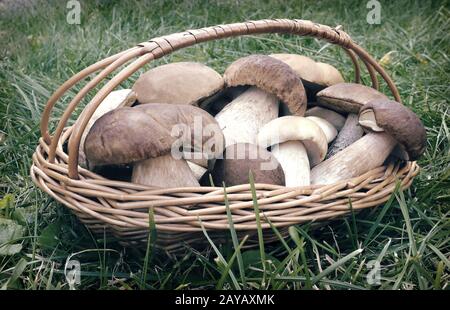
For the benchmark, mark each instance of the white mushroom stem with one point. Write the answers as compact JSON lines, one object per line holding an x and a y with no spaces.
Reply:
{"x":242,"y":118}
{"x":294,"y":161}
{"x":363,"y":155}
{"x":164,"y":171}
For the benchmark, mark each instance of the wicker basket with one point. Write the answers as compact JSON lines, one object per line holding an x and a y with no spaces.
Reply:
{"x":121,"y":208}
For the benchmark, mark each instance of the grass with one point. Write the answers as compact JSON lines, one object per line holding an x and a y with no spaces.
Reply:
{"x":409,"y":234}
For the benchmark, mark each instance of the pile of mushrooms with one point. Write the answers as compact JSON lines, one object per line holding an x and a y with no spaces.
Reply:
{"x":289,"y":120}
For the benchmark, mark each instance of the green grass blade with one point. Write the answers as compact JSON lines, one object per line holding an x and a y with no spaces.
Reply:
{"x":383,"y":251}
{"x":235,"y":239}
{"x":259,"y":228}
{"x":439,"y":271}
{"x":148,"y":252}
{"x":386,"y":207}
{"x":301,"y":248}
{"x":404,"y":208}
{"x":18,"y":270}
{"x":441,"y":255}
{"x":335,"y":265}
{"x":399,"y":279}
{"x":278,"y":234}
{"x":355,"y":228}
{"x":324,"y":281}
{"x":225,"y":272}
{"x":220,"y":256}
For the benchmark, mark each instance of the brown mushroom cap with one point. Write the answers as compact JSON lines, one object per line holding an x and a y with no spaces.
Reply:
{"x":271,"y":75}
{"x":347,"y":97}
{"x":114,"y":100}
{"x":401,"y":123}
{"x":128,"y":135}
{"x":315,"y":75}
{"x":178,"y":83}
{"x":241,"y":158}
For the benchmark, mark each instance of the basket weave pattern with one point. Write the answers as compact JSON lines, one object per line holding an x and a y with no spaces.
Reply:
{"x":122,"y":208}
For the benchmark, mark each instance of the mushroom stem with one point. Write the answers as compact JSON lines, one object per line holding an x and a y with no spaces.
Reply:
{"x":294,"y":160}
{"x":351,"y":132}
{"x":164,"y":171}
{"x":242,"y":118}
{"x":363,"y":155}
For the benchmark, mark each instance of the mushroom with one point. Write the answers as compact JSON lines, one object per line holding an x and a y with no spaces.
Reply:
{"x":154,"y":138}
{"x":216,"y":104}
{"x":297,"y":143}
{"x":115,"y":99}
{"x":331,"y":116}
{"x":271,"y":80}
{"x":178,"y":83}
{"x":241,"y":119}
{"x":348,"y":134}
{"x":315,"y":75}
{"x":328,"y":129}
{"x":347,"y":97}
{"x":398,"y":125}
{"x":241,"y":158}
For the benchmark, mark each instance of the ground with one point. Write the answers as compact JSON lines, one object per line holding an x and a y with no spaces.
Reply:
{"x":409,"y":235}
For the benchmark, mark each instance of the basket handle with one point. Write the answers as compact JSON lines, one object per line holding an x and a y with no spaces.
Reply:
{"x":158,"y":47}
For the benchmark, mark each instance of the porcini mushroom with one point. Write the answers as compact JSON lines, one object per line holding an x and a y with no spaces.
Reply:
{"x":218,"y":102}
{"x":331,"y":116}
{"x":347,"y":98}
{"x":241,"y":158}
{"x":327,"y":128}
{"x":178,"y":83}
{"x":115,"y":99}
{"x":315,"y":75}
{"x":150,"y":136}
{"x":297,"y":143}
{"x":271,"y":80}
{"x":400,"y":126}
{"x":351,"y":132}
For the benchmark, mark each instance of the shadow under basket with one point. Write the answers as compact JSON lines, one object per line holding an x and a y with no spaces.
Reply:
{"x":121,"y":209}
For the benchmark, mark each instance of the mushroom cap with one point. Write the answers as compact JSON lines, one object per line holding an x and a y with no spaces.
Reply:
{"x":328,"y":129}
{"x":114,"y":100}
{"x":347,"y":97}
{"x":296,"y":128}
{"x":330,"y":75}
{"x":314,"y":75}
{"x":313,"y":72}
{"x":241,"y":158}
{"x":178,"y":83}
{"x":146,"y":131}
{"x":399,"y":122}
{"x":333,"y":117}
{"x":304,"y":66}
{"x":271,"y":75}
